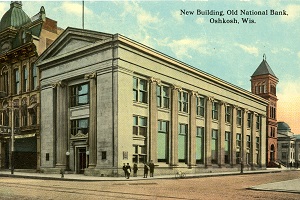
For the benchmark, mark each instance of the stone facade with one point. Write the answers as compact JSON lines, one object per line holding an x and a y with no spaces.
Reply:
{"x":110,"y":100}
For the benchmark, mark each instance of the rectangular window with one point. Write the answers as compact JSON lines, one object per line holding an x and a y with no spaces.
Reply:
{"x":248,"y":141}
{"x":200,"y":145}
{"x":140,"y":90}
{"x":140,"y":139}
{"x":284,"y":145}
{"x":162,"y":141}
{"x":239,"y":117}
{"x":182,"y":142}
{"x":284,"y":155}
{"x":34,"y":76}
{"x":249,"y":121}
{"x":214,"y":147}
{"x":257,"y":143}
{"x":17,"y":118}
{"x":238,"y":140}
{"x":25,"y":78}
{"x":215,"y":110}
{"x":79,"y":127}
{"x":80,"y":94}
{"x":200,"y":106}
{"x":140,"y":126}
{"x":257,"y":122}
{"x":17,"y":81}
{"x":227,"y":147}
{"x":183,"y":101}
{"x":103,"y":155}
{"x":228,"y":114}
{"x":163,"y":96}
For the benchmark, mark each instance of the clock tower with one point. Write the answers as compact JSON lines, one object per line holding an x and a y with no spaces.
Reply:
{"x":263,"y":83}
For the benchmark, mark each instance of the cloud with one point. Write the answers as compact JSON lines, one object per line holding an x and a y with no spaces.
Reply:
{"x":3,"y":8}
{"x":298,"y":54}
{"x":200,"y":20}
{"x":184,"y":47}
{"x":75,"y":8}
{"x":176,"y":15}
{"x":249,"y":49}
{"x":293,"y":13}
{"x":143,"y":17}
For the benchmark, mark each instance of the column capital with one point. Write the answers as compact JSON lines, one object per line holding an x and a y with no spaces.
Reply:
{"x":92,"y":75}
{"x":211,"y":99}
{"x":245,"y":110}
{"x":155,"y":80}
{"x":193,"y":93}
{"x":235,"y":106}
{"x":58,"y":84}
{"x":176,"y":87}
{"x":223,"y":103}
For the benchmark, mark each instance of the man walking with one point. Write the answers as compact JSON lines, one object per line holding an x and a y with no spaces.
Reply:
{"x":128,"y":170}
{"x":151,"y":166}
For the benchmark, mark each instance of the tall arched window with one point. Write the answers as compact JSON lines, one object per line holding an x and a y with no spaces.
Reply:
{"x":25,"y":78}
{"x":34,"y":80}
{"x":4,"y":81}
{"x":24,"y":112}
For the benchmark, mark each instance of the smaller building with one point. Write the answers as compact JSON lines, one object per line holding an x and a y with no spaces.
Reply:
{"x":287,"y":145}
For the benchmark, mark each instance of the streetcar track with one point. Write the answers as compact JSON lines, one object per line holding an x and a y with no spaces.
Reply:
{"x":81,"y":191}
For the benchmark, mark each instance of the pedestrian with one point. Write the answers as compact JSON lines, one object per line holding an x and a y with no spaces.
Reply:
{"x":135,"y":169}
{"x":124,"y":169}
{"x":151,"y":166}
{"x":146,"y":168}
{"x":128,"y":170}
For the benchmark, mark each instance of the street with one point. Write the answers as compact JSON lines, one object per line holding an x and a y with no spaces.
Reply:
{"x":221,"y":187}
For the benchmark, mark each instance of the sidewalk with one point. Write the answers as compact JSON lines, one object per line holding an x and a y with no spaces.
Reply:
{"x":81,"y":177}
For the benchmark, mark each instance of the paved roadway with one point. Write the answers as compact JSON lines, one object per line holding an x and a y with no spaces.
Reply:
{"x":281,"y":185}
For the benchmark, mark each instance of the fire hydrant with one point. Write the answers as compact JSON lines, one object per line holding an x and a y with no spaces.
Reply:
{"x":62,"y":172}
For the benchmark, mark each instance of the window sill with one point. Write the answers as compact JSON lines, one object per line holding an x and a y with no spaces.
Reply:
{"x":143,"y":105}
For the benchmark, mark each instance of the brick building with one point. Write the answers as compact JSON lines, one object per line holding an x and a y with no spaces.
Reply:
{"x":22,"y":40}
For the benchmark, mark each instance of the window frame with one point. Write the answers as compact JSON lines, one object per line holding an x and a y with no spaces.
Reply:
{"x":75,"y":96}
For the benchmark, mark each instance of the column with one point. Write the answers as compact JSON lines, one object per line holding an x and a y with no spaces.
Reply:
{"x":93,"y":119}
{"x":61,"y":125}
{"x":153,"y":119}
{"x":233,"y":136}
{"x":221,"y":135}
{"x":192,"y":132}
{"x":253,"y":141}
{"x":174,"y":126}
{"x":208,"y":121}
{"x":262,"y":141}
{"x":244,"y":138}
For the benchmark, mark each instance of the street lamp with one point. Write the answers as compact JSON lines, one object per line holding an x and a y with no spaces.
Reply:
{"x":12,"y":131}
{"x":68,"y":157}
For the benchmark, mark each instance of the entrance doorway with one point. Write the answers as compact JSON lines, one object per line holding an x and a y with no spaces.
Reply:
{"x":81,"y":160}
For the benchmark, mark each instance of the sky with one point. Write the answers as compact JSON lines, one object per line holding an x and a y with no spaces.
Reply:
{"x":230,"y":51}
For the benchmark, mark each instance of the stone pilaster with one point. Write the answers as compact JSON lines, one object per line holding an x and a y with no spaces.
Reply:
{"x":61,"y":124}
{"x":193,"y":130}
{"x":208,"y":121}
{"x":253,"y":141}
{"x":153,"y":119}
{"x":233,"y":136}
{"x":244,"y":138}
{"x":93,"y":119}
{"x":262,"y":141}
{"x":221,"y":135}
{"x":174,"y":126}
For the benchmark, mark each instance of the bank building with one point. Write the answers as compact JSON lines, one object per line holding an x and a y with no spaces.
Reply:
{"x":22,"y":40}
{"x":108,"y":100}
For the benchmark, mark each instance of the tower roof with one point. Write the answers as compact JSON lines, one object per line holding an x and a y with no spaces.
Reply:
{"x":263,"y":68}
{"x":14,"y":17}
